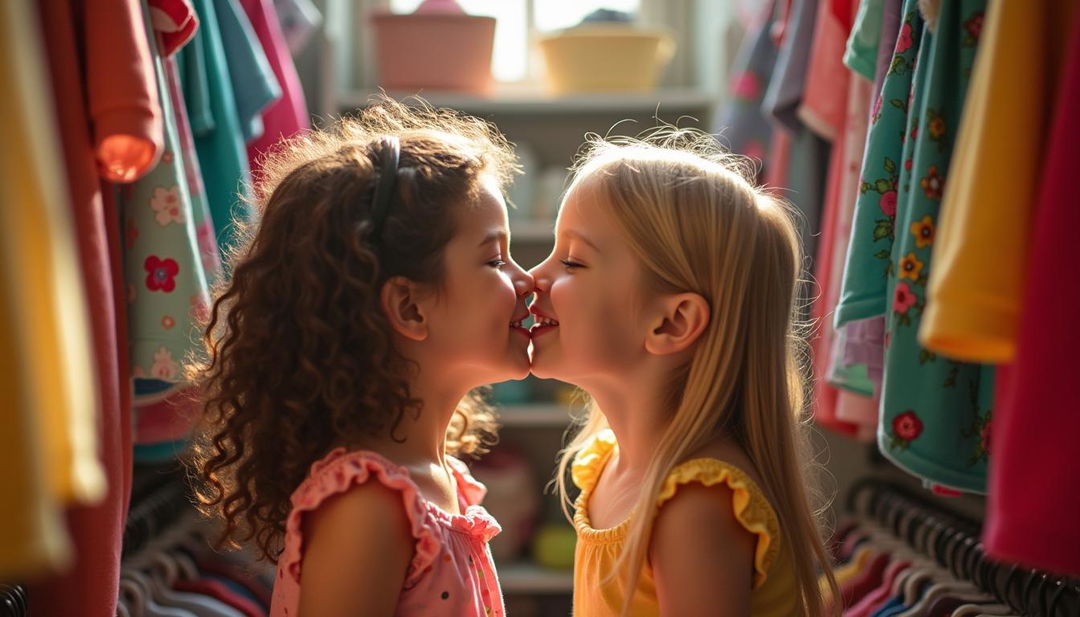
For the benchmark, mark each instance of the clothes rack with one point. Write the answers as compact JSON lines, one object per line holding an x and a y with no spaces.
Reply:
{"x":159,"y":498}
{"x":952,"y":540}
{"x":13,"y":601}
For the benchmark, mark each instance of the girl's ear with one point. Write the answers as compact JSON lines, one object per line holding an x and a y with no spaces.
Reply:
{"x":682,"y":319}
{"x":400,"y":298}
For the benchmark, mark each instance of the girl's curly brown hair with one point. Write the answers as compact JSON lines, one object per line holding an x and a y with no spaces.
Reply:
{"x":298,"y":352}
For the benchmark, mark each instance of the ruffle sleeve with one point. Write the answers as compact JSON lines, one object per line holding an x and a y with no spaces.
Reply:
{"x":338,"y":472}
{"x":590,"y":459}
{"x":471,"y":489}
{"x":748,"y":503}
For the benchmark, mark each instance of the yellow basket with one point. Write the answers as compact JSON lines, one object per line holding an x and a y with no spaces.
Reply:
{"x":605,"y":58}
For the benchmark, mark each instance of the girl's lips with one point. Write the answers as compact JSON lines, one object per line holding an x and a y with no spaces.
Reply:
{"x":539,"y":314}
{"x":516,"y":324}
{"x":538,"y":329}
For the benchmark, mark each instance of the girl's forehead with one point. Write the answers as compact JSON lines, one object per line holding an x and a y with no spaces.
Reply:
{"x":485,"y":213}
{"x":583,"y":204}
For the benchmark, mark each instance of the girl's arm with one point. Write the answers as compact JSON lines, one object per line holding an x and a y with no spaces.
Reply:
{"x":357,"y":549}
{"x":702,"y":558}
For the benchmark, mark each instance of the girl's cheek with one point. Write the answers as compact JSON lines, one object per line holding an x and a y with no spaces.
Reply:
{"x":505,"y":295}
{"x":563,"y":285}
{"x":562,"y":296}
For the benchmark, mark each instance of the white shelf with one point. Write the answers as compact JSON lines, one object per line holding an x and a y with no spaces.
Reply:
{"x":534,"y":415}
{"x":534,"y":102}
{"x":523,"y":578}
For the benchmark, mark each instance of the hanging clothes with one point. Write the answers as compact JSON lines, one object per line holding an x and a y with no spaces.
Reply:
{"x":798,"y":158}
{"x":253,"y":81}
{"x":110,"y":122}
{"x":174,"y":571}
{"x":858,"y":353}
{"x":288,"y":115}
{"x":974,"y":297}
{"x":742,"y":126}
{"x":848,"y":367}
{"x":167,"y":285}
{"x":891,"y":18}
{"x":204,"y":222}
{"x":824,"y":105}
{"x":806,"y":154}
{"x":861,"y":49}
{"x":1031,"y":519}
{"x":834,"y":408}
{"x":50,"y":445}
{"x":788,"y":79}
{"x":167,"y":416}
{"x":175,"y":22}
{"x":933,"y":411}
{"x":216,"y":124}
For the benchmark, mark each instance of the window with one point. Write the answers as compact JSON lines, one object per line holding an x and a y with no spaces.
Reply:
{"x":514,"y":29}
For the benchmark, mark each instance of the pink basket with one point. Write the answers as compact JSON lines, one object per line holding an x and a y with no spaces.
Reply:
{"x":437,"y":51}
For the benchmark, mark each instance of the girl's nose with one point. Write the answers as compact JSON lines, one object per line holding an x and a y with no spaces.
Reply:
{"x":540,"y":281}
{"x":524,"y":283}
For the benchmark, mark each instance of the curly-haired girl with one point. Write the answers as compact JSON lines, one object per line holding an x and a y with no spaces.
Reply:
{"x":374,"y":294}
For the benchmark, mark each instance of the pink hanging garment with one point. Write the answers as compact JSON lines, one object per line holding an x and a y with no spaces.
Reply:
{"x":99,"y":60}
{"x":288,"y":115}
{"x":1034,"y":490}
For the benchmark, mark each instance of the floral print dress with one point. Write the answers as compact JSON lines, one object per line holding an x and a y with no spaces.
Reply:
{"x":165,"y":269}
{"x":935,"y":413}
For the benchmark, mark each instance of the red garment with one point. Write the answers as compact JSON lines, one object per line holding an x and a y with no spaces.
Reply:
{"x":126,"y":430}
{"x":944,"y":491}
{"x":218,"y":591}
{"x":824,"y":109}
{"x":175,"y":21}
{"x":866,"y":581}
{"x":121,"y":89}
{"x":825,"y":395}
{"x":1034,"y":494}
{"x":866,"y":606}
{"x":288,"y":115}
{"x":824,"y":102}
{"x":120,"y":100}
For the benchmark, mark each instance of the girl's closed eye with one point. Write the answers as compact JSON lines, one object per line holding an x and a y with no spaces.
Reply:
{"x":571,"y":264}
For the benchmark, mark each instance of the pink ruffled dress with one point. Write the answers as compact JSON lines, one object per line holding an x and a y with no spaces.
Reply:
{"x":451,"y":573}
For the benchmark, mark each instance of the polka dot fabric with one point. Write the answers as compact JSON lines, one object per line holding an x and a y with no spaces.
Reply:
{"x":451,"y":573}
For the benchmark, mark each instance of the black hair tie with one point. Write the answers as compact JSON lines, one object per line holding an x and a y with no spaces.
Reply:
{"x":389,"y":153}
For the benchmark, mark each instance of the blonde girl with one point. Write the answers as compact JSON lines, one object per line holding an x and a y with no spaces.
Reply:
{"x":669,"y":298}
{"x":375,"y":293}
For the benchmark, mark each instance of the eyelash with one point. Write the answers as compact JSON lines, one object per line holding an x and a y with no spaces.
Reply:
{"x":571,"y":264}
{"x":496,"y":263}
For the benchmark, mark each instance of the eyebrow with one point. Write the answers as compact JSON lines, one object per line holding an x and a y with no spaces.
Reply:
{"x":492,"y":236}
{"x":578,"y":235}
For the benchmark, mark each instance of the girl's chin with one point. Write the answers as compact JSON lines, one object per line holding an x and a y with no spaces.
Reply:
{"x":540,"y":369}
{"x":518,"y":368}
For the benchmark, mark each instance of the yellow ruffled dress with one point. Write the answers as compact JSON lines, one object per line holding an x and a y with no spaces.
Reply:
{"x":774,"y":590}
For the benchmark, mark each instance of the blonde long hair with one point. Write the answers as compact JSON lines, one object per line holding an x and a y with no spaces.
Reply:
{"x":698,"y":225}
